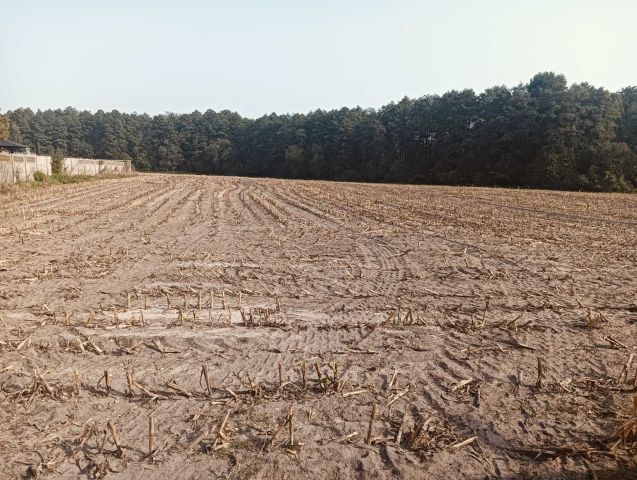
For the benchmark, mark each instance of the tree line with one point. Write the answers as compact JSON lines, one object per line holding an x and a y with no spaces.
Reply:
{"x":543,"y":134}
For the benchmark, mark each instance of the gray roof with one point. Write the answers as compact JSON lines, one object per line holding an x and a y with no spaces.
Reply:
{"x":8,"y":144}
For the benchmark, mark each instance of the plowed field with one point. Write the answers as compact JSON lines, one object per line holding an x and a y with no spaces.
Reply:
{"x":491,"y":330}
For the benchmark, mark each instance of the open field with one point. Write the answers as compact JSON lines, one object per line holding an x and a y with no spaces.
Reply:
{"x":492,"y":329}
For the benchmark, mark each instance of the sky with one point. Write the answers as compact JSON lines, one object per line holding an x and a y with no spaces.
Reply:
{"x":285,"y":56}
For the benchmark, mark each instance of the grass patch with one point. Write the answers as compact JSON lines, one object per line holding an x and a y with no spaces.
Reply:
{"x":56,"y":179}
{"x":62,"y":179}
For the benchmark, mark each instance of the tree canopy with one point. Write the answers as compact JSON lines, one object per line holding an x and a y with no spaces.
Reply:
{"x":543,"y":134}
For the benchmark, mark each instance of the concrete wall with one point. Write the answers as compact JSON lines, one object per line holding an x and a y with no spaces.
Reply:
{"x":94,"y":166}
{"x":21,"y":167}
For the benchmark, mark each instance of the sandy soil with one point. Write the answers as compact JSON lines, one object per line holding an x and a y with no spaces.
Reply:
{"x":435,"y":304}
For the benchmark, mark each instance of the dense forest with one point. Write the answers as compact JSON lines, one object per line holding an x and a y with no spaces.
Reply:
{"x":541,"y":134}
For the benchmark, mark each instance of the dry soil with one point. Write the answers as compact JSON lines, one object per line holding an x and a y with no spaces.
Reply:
{"x":490,"y":328}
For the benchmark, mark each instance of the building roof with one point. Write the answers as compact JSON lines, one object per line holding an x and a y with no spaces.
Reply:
{"x":8,"y":144}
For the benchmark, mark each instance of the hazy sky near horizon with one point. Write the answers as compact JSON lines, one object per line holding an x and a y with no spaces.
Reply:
{"x":258,"y":57}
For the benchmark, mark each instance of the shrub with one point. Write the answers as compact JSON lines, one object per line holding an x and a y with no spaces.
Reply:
{"x":39,"y":176}
{"x":57,"y":161}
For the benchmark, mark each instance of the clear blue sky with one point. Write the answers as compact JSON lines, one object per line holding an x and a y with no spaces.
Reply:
{"x":258,"y":57}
